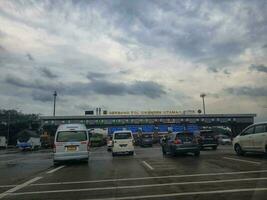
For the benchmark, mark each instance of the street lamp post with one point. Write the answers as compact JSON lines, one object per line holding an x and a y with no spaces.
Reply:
{"x":55,"y":96}
{"x":8,"y":128}
{"x":203,"y":98}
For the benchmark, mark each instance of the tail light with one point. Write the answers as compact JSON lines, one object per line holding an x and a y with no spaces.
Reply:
{"x":54,"y":148}
{"x":177,"y":141}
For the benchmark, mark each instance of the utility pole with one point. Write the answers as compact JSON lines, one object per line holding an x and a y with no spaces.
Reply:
{"x":203,"y":95}
{"x":55,"y":97}
{"x":8,"y":128}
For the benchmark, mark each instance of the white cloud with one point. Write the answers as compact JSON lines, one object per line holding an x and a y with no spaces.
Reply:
{"x":186,"y":48}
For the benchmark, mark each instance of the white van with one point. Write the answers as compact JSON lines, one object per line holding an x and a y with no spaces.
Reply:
{"x":71,"y":143}
{"x":252,"y":139}
{"x":122,"y":142}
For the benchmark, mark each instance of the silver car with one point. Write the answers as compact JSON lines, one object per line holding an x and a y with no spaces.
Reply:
{"x":71,"y":143}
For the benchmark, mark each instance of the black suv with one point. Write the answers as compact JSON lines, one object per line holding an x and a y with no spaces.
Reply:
{"x":207,"y":138}
{"x":180,"y":142}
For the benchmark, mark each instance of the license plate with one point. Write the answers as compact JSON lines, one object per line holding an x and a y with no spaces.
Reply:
{"x":187,"y":142}
{"x":71,"y":148}
{"x":123,"y":145}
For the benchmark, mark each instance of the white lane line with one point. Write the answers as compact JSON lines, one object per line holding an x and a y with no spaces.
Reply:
{"x":7,"y":186}
{"x":138,"y":186}
{"x":18,"y":187}
{"x":150,"y":177}
{"x":56,"y":169}
{"x":240,"y":160}
{"x":184,"y":194}
{"x":147,"y":165}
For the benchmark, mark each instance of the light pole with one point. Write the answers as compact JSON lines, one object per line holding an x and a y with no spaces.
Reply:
{"x":8,"y":129}
{"x":203,"y":95}
{"x":55,"y":97}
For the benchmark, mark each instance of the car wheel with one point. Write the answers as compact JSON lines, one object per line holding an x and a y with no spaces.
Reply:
{"x":197,"y":153}
{"x":113,"y":154}
{"x":131,"y":153}
{"x":163,"y":151}
{"x":173,"y":153}
{"x":55,"y":163}
{"x":239,"y":150}
{"x":214,"y":148}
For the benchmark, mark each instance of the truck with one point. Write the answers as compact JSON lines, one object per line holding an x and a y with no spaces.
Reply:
{"x":3,"y":142}
{"x":32,"y":144}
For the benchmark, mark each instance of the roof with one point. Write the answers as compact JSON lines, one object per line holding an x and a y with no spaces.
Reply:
{"x":142,"y":116}
{"x":126,"y":131}
{"x":72,"y":127}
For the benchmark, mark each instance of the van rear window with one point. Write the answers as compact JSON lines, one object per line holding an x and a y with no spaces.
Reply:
{"x":121,"y":136}
{"x":71,"y":136}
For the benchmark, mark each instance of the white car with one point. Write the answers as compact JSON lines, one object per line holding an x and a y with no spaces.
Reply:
{"x":71,"y":143}
{"x":252,"y":139}
{"x":224,"y":139}
{"x":122,"y":142}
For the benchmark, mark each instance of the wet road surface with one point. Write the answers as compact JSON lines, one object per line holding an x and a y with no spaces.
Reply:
{"x":148,"y":174}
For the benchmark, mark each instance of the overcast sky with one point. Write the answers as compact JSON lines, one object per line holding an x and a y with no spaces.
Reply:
{"x":133,"y":55}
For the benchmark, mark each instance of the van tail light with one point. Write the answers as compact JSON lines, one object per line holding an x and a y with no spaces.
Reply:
{"x":177,"y":141}
{"x":54,"y":148}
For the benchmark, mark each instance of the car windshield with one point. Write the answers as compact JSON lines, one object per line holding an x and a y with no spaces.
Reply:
{"x":71,"y":136}
{"x":122,"y":136}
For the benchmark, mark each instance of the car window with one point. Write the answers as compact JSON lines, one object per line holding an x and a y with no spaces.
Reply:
{"x":260,"y":128}
{"x":122,"y":136}
{"x":71,"y":136}
{"x":248,"y":131}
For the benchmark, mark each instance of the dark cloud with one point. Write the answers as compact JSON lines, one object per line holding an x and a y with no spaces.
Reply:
{"x":264,"y":46}
{"x":42,"y":96}
{"x":148,"y":89}
{"x":30,"y":57}
{"x":226,"y":72}
{"x":248,"y":91}
{"x":212,"y":69}
{"x":47,"y":73}
{"x":258,"y":68}
{"x":95,"y":75}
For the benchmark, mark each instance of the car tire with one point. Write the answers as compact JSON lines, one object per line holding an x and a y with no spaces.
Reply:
{"x":131,"y":153}
{"x":214,"y":148}
{"x":113,"y":154}
{"x":163,"y":151}
{"x":197,"y":153}
{"x":55,"y":163}
{"x":239,"y":150}
{"x":173,"y":153}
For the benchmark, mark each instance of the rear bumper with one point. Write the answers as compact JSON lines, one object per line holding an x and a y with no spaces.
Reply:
{"x":209,"y":145}
{"x":71,"y":156}
{"x":122,"y":150}
{"x":187,"y":149}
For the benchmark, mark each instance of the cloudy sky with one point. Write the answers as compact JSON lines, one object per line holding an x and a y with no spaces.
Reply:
{"x":133,"y":55}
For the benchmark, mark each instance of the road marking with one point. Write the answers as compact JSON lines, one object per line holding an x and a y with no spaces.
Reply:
{"x":7,"y":186}
{"x":184,"y":194}
{"x":56,"y":169}
{"x":138,"y":186}
{"x":18,"y":187}
{"x":150,"y":177}
{"x":147,"y":165}
{"x":240,"y":160}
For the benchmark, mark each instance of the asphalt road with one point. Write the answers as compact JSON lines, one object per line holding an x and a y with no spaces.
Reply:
{"x":148,"y":174}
